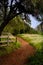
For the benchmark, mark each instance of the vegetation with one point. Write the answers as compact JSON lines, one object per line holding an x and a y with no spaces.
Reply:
{"x":17,"y":26}
{"x":9,"y":48}
{"x":34,"y":39}
{"x":37,"y":42}
{"x":37,"y":59}
{"x":41,"y":33}
{"x":9,"y":10}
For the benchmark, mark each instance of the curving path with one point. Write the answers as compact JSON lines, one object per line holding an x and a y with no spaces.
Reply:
{"x":18,"y":57}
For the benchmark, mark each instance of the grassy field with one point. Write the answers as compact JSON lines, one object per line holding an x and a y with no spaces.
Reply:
{"x":37,"y":42}
{"x":33,"y":39}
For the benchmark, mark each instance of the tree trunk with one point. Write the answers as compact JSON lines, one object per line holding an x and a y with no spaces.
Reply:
{"x":2,"y":27}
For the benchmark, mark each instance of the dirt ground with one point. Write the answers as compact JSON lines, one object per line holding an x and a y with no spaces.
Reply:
{"x":19,"y":56}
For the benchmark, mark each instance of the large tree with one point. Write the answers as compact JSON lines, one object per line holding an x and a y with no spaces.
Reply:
{"x":11,"y":8}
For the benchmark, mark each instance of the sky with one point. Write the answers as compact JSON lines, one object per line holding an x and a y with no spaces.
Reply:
{"x":34,"y":21}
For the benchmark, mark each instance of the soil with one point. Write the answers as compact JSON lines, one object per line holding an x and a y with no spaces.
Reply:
{"x":19,"y":56}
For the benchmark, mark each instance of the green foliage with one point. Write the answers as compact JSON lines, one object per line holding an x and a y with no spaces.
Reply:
{"x":40,"y":5}
{"x":33,"y":31}
{"x":37,"y":59}
{"x":41,"y":33}
{"x":17,"y":26}
{"x":8,"y":10}
{"x":8,"y":49}
{"x":14,"y":25}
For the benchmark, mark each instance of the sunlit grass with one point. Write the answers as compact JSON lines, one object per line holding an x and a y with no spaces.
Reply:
{"x":34,"y":39}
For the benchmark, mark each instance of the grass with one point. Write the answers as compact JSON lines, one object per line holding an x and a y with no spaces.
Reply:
{"x":33,"y":39}
{"x":9,"y":48}
{"x":12,"y":46}
{"x":37,"y":59}
{"x":36,"y":41}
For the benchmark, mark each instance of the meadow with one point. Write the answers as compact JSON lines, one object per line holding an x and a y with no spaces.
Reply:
{"x":33,"y":39}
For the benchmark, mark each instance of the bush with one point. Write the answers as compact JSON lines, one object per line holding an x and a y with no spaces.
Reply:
{"x":37,"y":59}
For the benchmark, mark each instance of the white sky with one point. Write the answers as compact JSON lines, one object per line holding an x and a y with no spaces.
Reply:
{"x":34,"y":21}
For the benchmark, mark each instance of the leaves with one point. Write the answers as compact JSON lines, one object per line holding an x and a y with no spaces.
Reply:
{"x":12,"y":8}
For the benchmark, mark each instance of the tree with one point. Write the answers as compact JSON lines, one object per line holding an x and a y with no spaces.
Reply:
{"x":11,"y":8}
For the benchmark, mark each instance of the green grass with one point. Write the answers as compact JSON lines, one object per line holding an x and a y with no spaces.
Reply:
{"x":10,"y":48}
{"x":37,"y":59}
{"x":37,"y":42}
{"x":33,"y":39}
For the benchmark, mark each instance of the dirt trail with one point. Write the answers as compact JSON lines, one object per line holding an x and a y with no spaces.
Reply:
{"x":18,"y":57}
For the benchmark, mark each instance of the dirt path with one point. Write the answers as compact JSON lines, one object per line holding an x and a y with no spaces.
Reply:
{"x":18,"y":57}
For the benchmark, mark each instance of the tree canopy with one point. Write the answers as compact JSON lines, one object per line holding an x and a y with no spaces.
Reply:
{"x":11,"y":8}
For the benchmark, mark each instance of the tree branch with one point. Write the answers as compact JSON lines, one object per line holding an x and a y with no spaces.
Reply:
{"x":7,"y":21}
{"x":12,"y":7}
